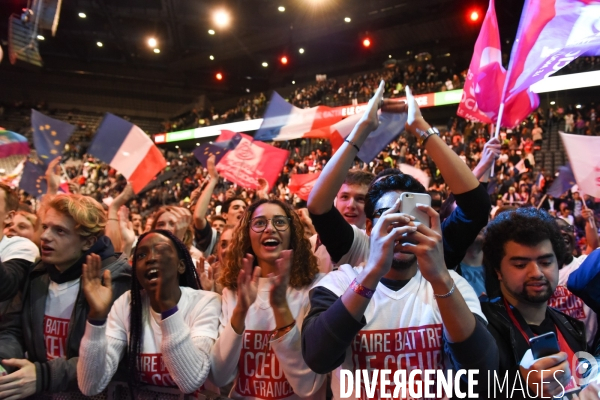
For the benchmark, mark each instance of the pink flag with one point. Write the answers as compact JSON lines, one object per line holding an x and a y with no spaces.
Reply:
{"x":487,"y":54}
{"x":302,"y":184}
{"x":251,"y":160}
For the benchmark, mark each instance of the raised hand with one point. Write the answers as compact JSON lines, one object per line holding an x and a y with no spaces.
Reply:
{"x":370,"y":119}
{"x":184,"y":219}
{"x":96,"y":287}
{"x":126,"y":227}
{"x":414,"y":113}
{"x":263,"y":189}
{"x":491,"y":151}
{"x":280,"y":282}
{"x":212,"y":169}
{"x":205,"y":272}
{"x":247,"y":289}
{"x":53,"y":175}
{"x":126,"y":195}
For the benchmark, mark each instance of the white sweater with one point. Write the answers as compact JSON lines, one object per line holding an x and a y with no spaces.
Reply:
{"x":175,"y":351}
{"x":263,"y":372}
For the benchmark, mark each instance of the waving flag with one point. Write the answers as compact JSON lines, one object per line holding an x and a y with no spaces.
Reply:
{"x":302,"y":184}
{"x":251,"y":160}
{"x":218,"y":149}
{"x":49,"y":136}
{"x":487,"y":53}
{"x":583,"y":156}
{"x":284,"y":121}
{"x":33,"y":179}
{"x":128,"y":150}
{"x":12,"y":143}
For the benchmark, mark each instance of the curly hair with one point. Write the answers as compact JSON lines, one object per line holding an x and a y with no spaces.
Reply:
{"x":89,"y":216}
{"x":526,"y":226}
{"x":188,"y":237}
{"x":188,"y":279}
{"x":389,"y":180}
{"x":304,"y":263}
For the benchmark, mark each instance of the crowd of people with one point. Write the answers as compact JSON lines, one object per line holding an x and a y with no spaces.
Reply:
{"x":200,"y":287}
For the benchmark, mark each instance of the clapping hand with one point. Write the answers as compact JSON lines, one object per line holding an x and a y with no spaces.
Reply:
{"x":96,"y":287}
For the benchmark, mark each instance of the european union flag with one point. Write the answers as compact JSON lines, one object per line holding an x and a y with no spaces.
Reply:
{"x":231,"y":143}
{"x":218,"y":149}
{"x":33,"y":179}
{"x":563,"y":182}
{"x":49,"y":136}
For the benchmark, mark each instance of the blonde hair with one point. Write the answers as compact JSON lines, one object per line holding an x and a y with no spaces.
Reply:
{"x":89,"y":216}
{"x":32,"y":218}
{"x":188,"y":237}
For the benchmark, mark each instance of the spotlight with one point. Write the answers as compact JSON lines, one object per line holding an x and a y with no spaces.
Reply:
{"x":281,"y":8}
{"x":211,"y":57}
{"x":157,"y":51}
{"x":222,"y":18}
{"x":578,"y":106}
{"x":152,"y":42}
{"x":176,"y":146}
{"x":211,"y":32}
{"x":40,"y":37}
{"x":301,"y":50}
{"x":197,"y":144}
{"x":347,"y":19}
{"x":293,"y":82}
{"x":265,"y":64}
{"x":367,"y":42}
{"x":99,"y":44}
{"x":82,"y":15}
{"x":284,"y":60}
{"x":219,"y":76}
{"x":474,"y":16}
{"x":552,"y":103}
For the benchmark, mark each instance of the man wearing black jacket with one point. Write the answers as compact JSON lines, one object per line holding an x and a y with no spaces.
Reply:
{"x":522,"y":252}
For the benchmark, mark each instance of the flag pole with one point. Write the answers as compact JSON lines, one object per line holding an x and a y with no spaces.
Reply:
{"x":541,"y":201}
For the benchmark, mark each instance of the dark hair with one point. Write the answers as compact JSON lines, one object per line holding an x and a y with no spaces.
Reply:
{"x":216,"y":218}
{"x":526,"y":226}
{"x":188,"y":279}
{"x":359,"y":177}
{"x":11,"y":200}
{"x":227,"y":203}
{"x":389,"y":180}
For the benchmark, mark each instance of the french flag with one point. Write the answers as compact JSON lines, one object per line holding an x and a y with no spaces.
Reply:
{"x":126,"y":148}
{"x":284,"y":121}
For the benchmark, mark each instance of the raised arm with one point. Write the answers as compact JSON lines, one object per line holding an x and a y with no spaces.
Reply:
{"x":113,"y":230}
{"x":204,"y":200}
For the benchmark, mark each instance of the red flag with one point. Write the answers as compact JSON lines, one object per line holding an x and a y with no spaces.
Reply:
{"x":487,"y":53}
{"x":251,"y":160}
{"x":302,"y":184}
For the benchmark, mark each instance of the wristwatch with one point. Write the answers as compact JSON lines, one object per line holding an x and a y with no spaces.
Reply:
{"x":424,"y":135}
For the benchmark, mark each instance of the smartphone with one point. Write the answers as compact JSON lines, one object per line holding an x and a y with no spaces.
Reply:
{"x":409,"y":206}
{"x":544,"y":345}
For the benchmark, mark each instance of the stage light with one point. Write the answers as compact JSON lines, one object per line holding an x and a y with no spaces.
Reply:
{"x":552,"y":103}
{"x":157,"y":51}
{"x":211,"y":32}
{"x":347,"y":19}
{"x":366,"y":42}
{"x":281,"y":8}
{"x":219,"y":76}
{"x":390,"y":56}
{"x":222,"y":18}
{"x":40,"y":37}
{"x":301,"y":50}
{"x":152,"y":42}
{"x":197,"y":144}
{"x":247,"y":90}
{"x":176,"y":146}
{"x":474,"y":16}
{"x":284,"y":60}
{"x":211,"y":57}
{"x":82,"y":15}
{"x":99,"y":44}
{"x":265,"y":64}
{"x":293,"y":82}
{"x":578,"y":106}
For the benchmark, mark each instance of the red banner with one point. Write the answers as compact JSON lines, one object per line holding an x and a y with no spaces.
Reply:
{"x":302,"y":184}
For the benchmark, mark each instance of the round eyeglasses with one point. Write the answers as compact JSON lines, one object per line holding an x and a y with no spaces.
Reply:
{"x":279,"y":222}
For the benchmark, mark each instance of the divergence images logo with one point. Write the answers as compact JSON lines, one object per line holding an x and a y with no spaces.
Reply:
{"x":587,"y":368}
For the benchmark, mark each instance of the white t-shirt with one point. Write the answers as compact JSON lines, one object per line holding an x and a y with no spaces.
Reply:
{"x":59,"y":307}
{"x":200,"y":310}
{"x":566,"y":302}
{"x":17,"y":247}
{"x":260,"y":368}
{"x":404,"y":328}
{"x":357,"y":255}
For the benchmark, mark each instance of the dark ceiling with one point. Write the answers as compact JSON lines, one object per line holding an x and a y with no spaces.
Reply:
{"x":258,"y":33}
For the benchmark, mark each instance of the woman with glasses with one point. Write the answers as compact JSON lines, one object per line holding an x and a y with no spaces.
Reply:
{"x":266,"y":276}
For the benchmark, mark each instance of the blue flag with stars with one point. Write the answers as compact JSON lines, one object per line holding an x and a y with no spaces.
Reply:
{"x":217,"y":149}
{"x":49,"y":136}
{"x":33,"y":179}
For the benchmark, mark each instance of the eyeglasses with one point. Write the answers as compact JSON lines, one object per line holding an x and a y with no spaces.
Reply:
{"x":380,"y":211}
{"x":279,"y":222}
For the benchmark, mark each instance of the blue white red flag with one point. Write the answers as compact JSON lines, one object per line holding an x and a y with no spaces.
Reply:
{"x":284,"y":121}
{"x":126,"y":148}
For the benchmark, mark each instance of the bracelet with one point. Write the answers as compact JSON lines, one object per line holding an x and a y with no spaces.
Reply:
{"x":283,"y":330}
{"x":443,"y":296}
{"x":352,"y":143}
{"x":425,"y":141}
{"x":361,"y":290}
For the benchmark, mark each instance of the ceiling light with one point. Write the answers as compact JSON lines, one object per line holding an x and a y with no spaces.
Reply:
{"x":247,"y":90}
{"x":176,"y":146}
{"x":390,"y":56}
{"x":157,"y":51}
{"x":265,"y":64}
{"x":552,"y":103}
{"x":366,"y":42}
{"x":301,"y":50}
{"x":82,"y":15}
{"x":219,"y":76}
{"x":347,"y":19}
{"x":211,"y":32}
{"x":293,"y":82}
{"x":211,"y":57}
{"x":578,"y":106}
{"x":284,"y":60}
{"x":152,"y":42}
{"x":40,"y":37}
{"x":99,"y":44}
{"x":281,"y":8}
{"x":197,"y":144}
{"x":222,"y":18}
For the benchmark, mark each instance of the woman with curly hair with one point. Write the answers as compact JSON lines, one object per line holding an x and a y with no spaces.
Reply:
{"x":266,"y":276}
{"x":164,"y":325}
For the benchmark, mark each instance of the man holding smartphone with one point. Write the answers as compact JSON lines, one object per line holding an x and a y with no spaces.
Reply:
{"x":522,"y":252}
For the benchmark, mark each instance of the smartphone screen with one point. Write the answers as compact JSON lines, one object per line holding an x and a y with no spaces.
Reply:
{"x":544,"y":345}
